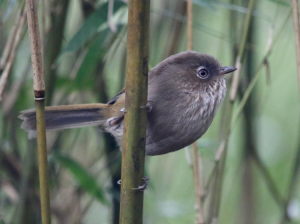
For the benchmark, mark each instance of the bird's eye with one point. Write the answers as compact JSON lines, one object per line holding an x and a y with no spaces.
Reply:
{"x":202,"y":73}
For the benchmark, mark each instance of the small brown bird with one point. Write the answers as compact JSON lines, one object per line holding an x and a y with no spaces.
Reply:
{"x":184,"y":93}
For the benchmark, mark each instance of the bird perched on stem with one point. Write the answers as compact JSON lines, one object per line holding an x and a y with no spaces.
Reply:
{"x":184,"y":93}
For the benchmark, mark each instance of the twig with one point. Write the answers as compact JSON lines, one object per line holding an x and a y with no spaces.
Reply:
{"x":11,"y":98}
{"x":221,"y":153}
{"x":297,"y":37}
{"x":296,"y":168}
{"x":198,"y":184}
{"x":39,"y":93}
{"x":216,"y":192}
{"x":189,"y":25}
{"x":197,"y":160}
{"x":111,"y":25}
{"x":9,"y":42}
{"x":17,"y":38}
{"x":238,"y":64}
{"x":269,"y":180}
{"x":255,"y":77}
{"x":78,"y":64}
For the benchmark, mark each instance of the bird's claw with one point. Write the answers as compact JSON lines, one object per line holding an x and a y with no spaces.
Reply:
{"x":115,"y":120}
{"x":144,"y":186}
{"x":140,"y":188}
{"x":148,"y":105}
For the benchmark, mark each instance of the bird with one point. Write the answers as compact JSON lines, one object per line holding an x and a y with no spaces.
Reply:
{"x":184,"y":92}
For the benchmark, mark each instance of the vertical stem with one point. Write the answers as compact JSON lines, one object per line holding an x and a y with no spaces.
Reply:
{"x":12,"y":53}
{"x":238,"y":63}
{"x":196,"y":162}
{"x":39,"y":93}
{"x":42,"y":160}
{"x":53,"y":43}
{"x":297,"y":37}
{"x":214,"y":206}
{"x":133,"y":152}
{"x":189,"y":25}
{"x":198,"y":186}
{"x":296,"y":168}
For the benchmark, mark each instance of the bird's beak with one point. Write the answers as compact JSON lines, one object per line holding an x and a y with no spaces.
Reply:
{"x":226,"y":69}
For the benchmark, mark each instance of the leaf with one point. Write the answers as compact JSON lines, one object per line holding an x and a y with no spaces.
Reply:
{"x":102,"y":42}
{"x":90,"y":27}
{"x":84,"y":179}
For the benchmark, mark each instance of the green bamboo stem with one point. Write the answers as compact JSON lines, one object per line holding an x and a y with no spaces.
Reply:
{"x":221,"y":154}
{"x":294,"y":181}
{"x":133,"y":152}
{"x":42,"y":160}
{"x":197,"y":159}
{"x":39,"y":93}
{"x":238,"y":63}
{"x":216,"y":190}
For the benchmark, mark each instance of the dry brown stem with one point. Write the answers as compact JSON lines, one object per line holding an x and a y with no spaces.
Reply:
{"x":197,"y":165}
{"x":14,"y":91}
{"x":17,"y":38}
{"x":189,"y":25}
{"x":9,"y":42}
{"x":297,"y":37}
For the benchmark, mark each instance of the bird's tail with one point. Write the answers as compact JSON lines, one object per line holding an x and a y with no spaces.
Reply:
{"x":63,"y":117}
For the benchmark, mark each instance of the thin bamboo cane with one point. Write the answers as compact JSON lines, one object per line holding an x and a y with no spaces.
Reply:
{"x":295,"y":173}
{"x":12,"y":53}
{"x":197,"y":160}
{"x":39,"y":93}
{"x":238,"y":64}
{"x":214,"y":206}
{"x":133,"y":152}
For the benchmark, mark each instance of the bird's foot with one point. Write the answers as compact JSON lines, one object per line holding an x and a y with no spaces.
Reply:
{"x":148,"y":105}
{"x":139,"y":188}
{"x":115,"y":121}
{"x":144,"y":186}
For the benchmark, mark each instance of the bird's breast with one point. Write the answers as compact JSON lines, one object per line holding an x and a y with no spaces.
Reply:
{"x":182,"y":120}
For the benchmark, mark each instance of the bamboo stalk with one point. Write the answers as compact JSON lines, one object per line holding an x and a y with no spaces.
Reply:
{"x":9,"y":43}
{"x":133,"y":152}
{"x":197,"y":160}
{"x":238,"y":63}
{"x":295,"y":173}
{"x":216,"y":192}
{"x":190,"y":25}
{"x":39,"y":93}
{"x":12,"y":53}
{"x":198,"y":184}
{"x":297,"y":37}
{"x":222,"y":150}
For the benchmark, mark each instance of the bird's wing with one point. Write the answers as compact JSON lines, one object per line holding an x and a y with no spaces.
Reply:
{"x":115,"y":98}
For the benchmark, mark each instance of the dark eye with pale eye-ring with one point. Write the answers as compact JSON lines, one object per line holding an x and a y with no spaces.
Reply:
{"x":202,"y":73}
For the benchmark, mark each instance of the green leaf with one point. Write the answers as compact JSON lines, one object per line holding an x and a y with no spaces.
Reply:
{"x":90,"y":27}
{"x":97,"y":50}
{"x":84,"y":179}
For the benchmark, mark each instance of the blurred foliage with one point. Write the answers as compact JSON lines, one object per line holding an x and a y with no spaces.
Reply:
{"x":84,"y":164}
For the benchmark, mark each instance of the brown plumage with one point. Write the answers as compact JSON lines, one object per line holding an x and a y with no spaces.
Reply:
{"x":184,"y":92}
